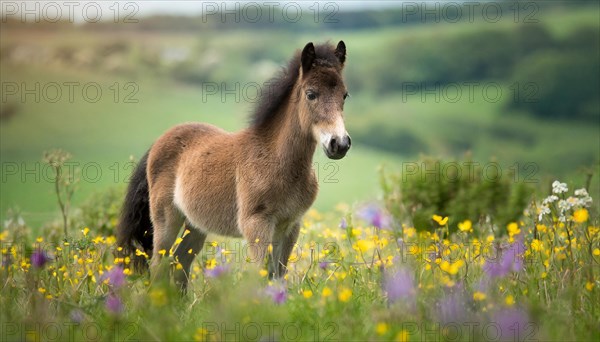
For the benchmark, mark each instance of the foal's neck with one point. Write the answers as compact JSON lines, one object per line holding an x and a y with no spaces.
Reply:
{"x":292,"y":146}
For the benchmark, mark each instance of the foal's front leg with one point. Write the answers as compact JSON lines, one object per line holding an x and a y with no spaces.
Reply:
{"x":186,"y":252}
{"x":258,"y":231}
{"x":284,"y":241}
{"x":167,"y":221}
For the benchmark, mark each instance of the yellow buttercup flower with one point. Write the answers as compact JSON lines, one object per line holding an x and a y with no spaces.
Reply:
{"x":466,"y":226}
{"x":363,"y":245}
{"x":307,"y":293}
{"x":509,"y":300}
{"x":513,"y":229}
{"x":479,"y":296}
{"x":345,"y":295}
{"x":451,"y":268}
{"x":537,"y":245}
{"x":381,"y":328}
{"x":326,"y":292}
{"x":140,"y":253}
{"x":589,"y":286}
{"x":201,"y":334}
{"x":402,"y":336}
{"x":440,"y":220}
{"x":541,"y":228}
{"x":580,"y":215}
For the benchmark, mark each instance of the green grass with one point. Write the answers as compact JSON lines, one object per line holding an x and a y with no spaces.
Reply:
{"x":361,"y":283}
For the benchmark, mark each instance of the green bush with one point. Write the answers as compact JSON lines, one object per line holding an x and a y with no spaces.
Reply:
{"x":101,"y":211}
{"x":432,"y":186}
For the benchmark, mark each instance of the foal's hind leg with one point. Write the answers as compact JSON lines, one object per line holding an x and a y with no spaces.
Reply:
{"x":283,"y":244}
{"x":186,"y":253}
{"x":167,"y":221}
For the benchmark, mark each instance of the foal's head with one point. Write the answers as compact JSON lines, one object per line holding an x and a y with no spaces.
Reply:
{"x":321,"y":97}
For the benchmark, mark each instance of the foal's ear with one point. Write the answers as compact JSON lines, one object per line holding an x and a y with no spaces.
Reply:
{"x":308,"y":57}
{"x":340,"y":52}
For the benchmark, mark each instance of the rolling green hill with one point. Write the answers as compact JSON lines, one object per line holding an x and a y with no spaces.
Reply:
{"x":388,"y":125}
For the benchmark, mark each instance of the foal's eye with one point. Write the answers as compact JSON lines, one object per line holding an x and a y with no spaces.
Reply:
{"x":346,"y":95}
{"x":311,"y":95}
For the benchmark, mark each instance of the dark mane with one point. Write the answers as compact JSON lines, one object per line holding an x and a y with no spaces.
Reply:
{"x":279,"y":88}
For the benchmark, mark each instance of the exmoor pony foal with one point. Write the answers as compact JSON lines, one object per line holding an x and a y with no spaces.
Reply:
{"x":256,"y":183}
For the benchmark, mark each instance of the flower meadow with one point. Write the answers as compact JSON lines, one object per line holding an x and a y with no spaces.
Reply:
{"x":357,"y":273}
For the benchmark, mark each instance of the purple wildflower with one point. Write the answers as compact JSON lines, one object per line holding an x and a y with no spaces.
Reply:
{"x":451,"y":308}
{"x":375,"y":216}
{"x":323,"y":265}
{"x":77,"y":316}
{"x":219,"y":255}
{"x":114,"y":304}
{"x":39,"y":258}
{"x":507,"y":260}
{"x":512,"y":324}
{"x":278,"y":293}
{"x":6,"y":260}
{"x":115,"y":276}
{"x":400,"y":286}
{"x":216,"y":271}
{"x":343,"y":223}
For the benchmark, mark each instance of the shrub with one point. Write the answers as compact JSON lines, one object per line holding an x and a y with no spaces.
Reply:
{"x":101,"y":211}
{"x":460,"y":190}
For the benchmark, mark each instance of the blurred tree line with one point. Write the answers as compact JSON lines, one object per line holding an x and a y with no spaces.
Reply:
{"x":562,"y":70}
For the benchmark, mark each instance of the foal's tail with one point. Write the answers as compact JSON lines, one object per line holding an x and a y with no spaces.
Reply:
{"x":134,"y":231}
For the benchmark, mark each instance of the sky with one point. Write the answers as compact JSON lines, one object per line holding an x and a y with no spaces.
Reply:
{"x":195,"y":7}
{"x":80,"y":11}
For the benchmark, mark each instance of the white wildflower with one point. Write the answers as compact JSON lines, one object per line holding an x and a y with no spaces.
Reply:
{"x":543,"y":211}
{"x":550,"y":199}
{"x":559,"y":188}
{"x":584,"y":199}
{"x":564,"y":205}
{"x":585,"y":202}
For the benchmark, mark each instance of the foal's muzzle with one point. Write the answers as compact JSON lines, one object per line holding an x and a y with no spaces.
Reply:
{"x":338,"y":146}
